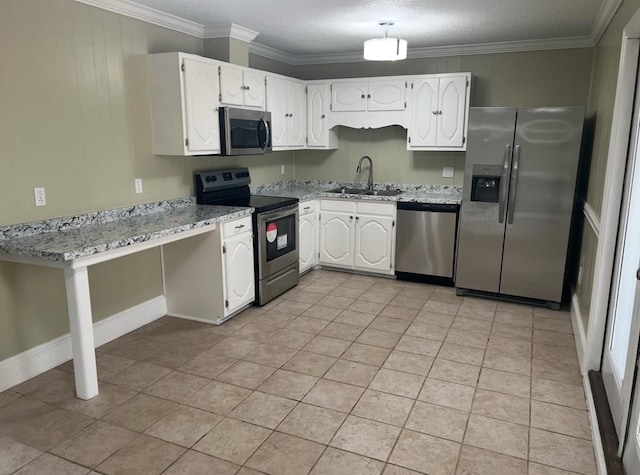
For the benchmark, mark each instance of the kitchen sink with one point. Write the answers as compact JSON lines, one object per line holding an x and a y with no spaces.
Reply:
{"x":383,"y":192}
{"x":362,"y":191}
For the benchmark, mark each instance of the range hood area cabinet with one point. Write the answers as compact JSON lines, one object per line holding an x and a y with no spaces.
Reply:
{"x":287,"y":102}
{"x":319,"y":135}
{"x":439,"y":112}
{"x":185,"y":94}
{"x":242,"y":87}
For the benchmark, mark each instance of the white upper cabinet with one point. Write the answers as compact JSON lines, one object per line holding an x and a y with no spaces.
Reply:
{"x":242,"y":86}
{"x":369,"y":95}
{"x":287,"y":102}
{"x":184,"y":104}
{"x":349,"y":96}
{"x":439,"y":111}
{"x":318,"y":133}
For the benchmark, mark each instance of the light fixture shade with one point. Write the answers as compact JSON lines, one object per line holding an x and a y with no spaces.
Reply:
{"x":385,"y":49}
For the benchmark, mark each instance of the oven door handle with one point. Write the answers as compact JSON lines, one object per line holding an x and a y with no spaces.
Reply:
{"x":277,"y":213}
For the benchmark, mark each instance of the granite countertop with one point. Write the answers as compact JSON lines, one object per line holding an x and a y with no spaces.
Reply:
{"x":65,"y":239}
{"x":312,"y":189}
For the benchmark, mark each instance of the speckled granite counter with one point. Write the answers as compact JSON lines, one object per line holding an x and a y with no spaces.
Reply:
{"x":312,"y":189}
{"x":68,"y":238}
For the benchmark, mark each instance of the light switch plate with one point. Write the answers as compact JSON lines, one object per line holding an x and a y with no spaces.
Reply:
{"x":281,"y":169}
{"x":138,"y":184}
{"x":447,"y":172}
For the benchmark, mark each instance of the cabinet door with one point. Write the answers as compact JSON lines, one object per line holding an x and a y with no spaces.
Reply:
{"x":254,"y":89}
{"x":424,"y":112}
{"x":374,"y":242}
{"x":277,"y":105}
{"x":349,"y":96}
{"x":201,"y":100}
{"x":336,"y":239}
{"x":452,"y":95}
{"x":317,"y":109}
{"x":387,"y":95}
{"x":238,"y":272}
{"x":231,"y":85}
{"x":297,"y":114}
{"x":307,"y":243}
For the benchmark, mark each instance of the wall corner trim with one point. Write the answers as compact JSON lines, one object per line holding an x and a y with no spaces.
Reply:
{"x":37,"y":360}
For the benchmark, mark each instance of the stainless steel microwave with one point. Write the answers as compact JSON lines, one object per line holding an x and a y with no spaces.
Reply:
{"x":244,"y":132}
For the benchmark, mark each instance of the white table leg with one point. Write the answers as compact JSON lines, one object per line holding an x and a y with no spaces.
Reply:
{"x":81,"y":325}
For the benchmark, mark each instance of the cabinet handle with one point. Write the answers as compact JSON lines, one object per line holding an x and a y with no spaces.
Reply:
{"x":240,"y":226}
{"x":290,"y":115}
{"x":435,"y":112}
{"x":247,"y":88}
{"x":440,"y":112}
{"x":368,"y":96}
{"x":357,"y":218}
{"x":362,"y":96}
{"x":307,"y":207}
{"x":322,"y":116}
{"x":350,"y":217}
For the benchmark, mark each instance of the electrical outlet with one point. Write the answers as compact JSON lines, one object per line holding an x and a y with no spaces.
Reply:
{"x":447,"y":172}
{"x":282,"y":169}
{"x":39,"y":196}
{"x":138,"y":184}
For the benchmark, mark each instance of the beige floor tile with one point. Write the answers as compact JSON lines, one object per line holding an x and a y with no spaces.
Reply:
{"x":58,"y":392}
{"x":93,"y":445}
{"x":303,"y":296}
{"x":392,"y":325}
{"x":360,"y":281}
{"x":290,"y":339}
{"x":364,"y":306}
{"x":140,"y":413}
{"x":47,"y":463}
{"x":408,"y":302}
{"x":263,"y":409}
{"x":421,"y":346}
{"x":145,"y":455}
{"x":509,"y":345}
{"x":333,"y":395}
{"x":110,"y":397}
{"x":438,"y":421}
{"x":555,"y":353}
{"x":312,"y":422}
{"x":232,"y":440}
{"x":480,"y":302}
{"x":501,"y":406}
{"x":558,"y":393}
{"x":447,"y":394}
{"x":218,"y":397}
{"x":326,"y":346}
{"x":367,"y":354}
{"x":472,"y":325}
{"x":336,"y":302}
{"x":381,"y":338}
{"x":255,"y":332}
{"x":409,"y":362}
{"x":476,"y":312}
{"x":386,"y":287}
{"x":283,"y":454}
{"x":338,"y":462}
{"x":455,"y":372}
{"x":177,"y":386}
{"x":308,"y":325}
{"x":401,"y":313}
{"x":417,"y":291}
{"x":270,"y":355}
{"x":14,"y":455}
{"x":498,"y":436}
{"x":464,"y":338}
{"x":395,"y":470}
{"x":275,"y":319}
{"x":233,"y":347}
{"x":397,"y":382}
{"x":195,"y":463}
{"x":512,"y":331}
{"x":562,"y":451}
{"x":309,"y":363}
{"x":350,"y":372}
{"x":288,"y":384}
{"x":434,"y":318}
{"x":322,"y":313}
{"x":514,"y":319}
{"x":561,"y":419}
{"x":553,"y":324}
{"x":348,"y":292}
{"x":7,"y":397}
{"x":365,"y":437}
{"x":207,"y":365}
{"x":246,"y":374}
{"x":538,"y":469}
{"x":383,"y":407}
{"x":482,"y":462}
{"x":184,"y":426}
{"x":291,"y":307}
{"x":558,"y":371}
{"x":351,"y":317}
{"x":132,"y":348}
{"x":321,"y":287}
{"x":342,"y":331}
{"x":174,"y":355}
{"x":520,"y":364}
{"x":549,"y":313}
{"x":517,"y":308}
{"x":426,"y":330}
{"x":425,"y":453}
{"x":377,"y":296}
{"x":461,"y":354}
{"x":546,"y":337}
{"x":503,"y":382}
{"x":441,"y":307}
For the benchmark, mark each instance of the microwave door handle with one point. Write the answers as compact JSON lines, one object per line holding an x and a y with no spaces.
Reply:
{"x":267,"y":137}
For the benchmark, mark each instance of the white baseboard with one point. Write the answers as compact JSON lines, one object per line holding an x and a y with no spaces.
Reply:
{"x":579,"y":333}
{"x":37,"y":360}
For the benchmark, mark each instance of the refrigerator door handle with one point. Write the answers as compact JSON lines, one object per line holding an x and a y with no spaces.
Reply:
{"x":504,"y":184}
{"x":514,"y":184}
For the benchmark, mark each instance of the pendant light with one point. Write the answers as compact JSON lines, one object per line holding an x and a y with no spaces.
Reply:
{"x":385,"y":49}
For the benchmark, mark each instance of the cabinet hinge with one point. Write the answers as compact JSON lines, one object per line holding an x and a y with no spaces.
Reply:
{"x":186,"y":142}
{"x":306,"y":140}
{"x":224,"y":249}
{"x":182,"y":67}
{"x":319,"y":217}
{"x":330,"y":107}
{"x":464,"y":139}
{"x":220,"y":97}
{"x":219,"y":71}
{"x":411,"y":85}
{"x":306,"y":90}
{"x":331,"y":87}
{"x":226,"y":303}
{"x":406,"y":84}
{"x":467,"y":82}
{"x":405,"y":105}
{"x":318,"y":255}
{"x":409,"y":139}
{"x":393,"y":223}
{"x":265,"y":81}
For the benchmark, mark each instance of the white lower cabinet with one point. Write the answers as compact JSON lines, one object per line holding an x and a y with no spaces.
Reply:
{"x":358,"y":235}
{"x":210,"y":277}
{"x":308,"y":235}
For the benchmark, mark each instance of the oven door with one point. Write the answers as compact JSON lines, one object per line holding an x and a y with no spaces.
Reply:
{"x":277,"y":235}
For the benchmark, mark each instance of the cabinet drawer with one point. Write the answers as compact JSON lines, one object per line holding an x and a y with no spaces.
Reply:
{"x":307,"y":207}
{"x":338,"y":205}
{"x":379,"y":209}
{"x":237,"y":226}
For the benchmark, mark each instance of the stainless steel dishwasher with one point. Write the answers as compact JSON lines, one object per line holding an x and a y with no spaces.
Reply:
{"x":426,"y":241}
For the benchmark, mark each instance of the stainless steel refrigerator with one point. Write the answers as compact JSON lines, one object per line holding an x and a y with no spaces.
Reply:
{"x":517,"y":202}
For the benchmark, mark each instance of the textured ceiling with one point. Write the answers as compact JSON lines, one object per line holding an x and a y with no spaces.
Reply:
{"x":308,"y":28}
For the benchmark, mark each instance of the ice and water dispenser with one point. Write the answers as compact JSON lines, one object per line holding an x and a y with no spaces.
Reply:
{"x":485,"y":183}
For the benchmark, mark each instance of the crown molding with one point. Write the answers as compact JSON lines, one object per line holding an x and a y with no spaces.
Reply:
{"x":229,"y":30}
{"x":604,"y":17}
{"x":149,"y":15}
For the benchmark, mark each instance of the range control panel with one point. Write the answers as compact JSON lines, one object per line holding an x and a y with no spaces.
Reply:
{"x":211,"y":180}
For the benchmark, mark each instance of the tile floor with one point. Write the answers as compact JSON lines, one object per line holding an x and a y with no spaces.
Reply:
{"x":344,"y":374}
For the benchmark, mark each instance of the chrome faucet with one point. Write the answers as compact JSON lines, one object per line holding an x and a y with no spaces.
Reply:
{"x":359,"y":169}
